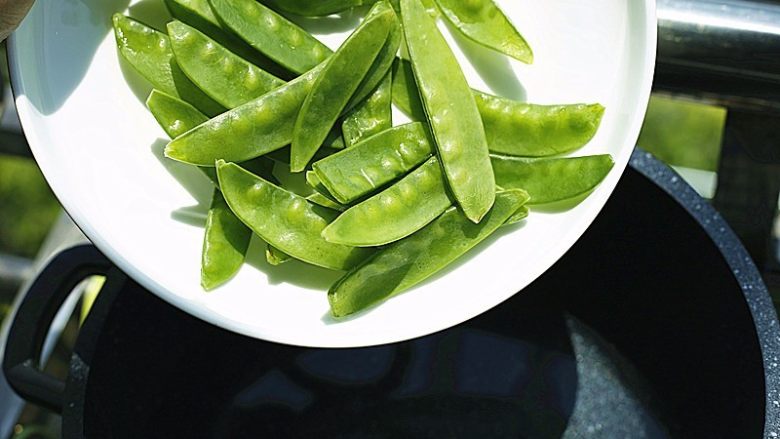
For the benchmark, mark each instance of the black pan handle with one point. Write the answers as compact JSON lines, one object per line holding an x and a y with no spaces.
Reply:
{"x":30,"y":325}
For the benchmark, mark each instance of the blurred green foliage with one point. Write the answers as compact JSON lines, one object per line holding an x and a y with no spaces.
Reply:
{"x":683,"y":133}
{"x":27,"y":207}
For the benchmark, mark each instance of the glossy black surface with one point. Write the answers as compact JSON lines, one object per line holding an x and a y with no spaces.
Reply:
{"x":641,"y":330}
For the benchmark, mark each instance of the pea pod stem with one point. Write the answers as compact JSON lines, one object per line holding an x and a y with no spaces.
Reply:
{"x":275,"y":257}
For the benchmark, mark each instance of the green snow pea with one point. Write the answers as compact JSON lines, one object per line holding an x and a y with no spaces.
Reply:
{"x":411,"y":260}
{"x":335,"y":140}
{"x":512,"y":127}
{"x":394,"y":213}
{"x":149,"y":52}
{"x":530,"y":130}
{"x":226,"y":77}
{"x":430,"y":7}
{"x":322,"y":200}
{"x":549,"y":180}
{"x":274,"y":256}
{"x":198,"y":14}
{"x":321,"y":196}
{"x":372,"y":116}
{"x":333,"y":88}
{"x":224,"y":244}
{"x":384,"y":60}
{"x":284,"y":220}
{"x":452,"y":113}
{"x":521,"y":214}
{"x":256,"y":128}
{"x":275,"y":36}
{"x":316,"y":8}
{"x":405,"y":93}
{"x":226,"y":239}
{"x":315,"y":183}
{"x":283,"y":155}
{"x":176,"y":117}
{"x":373,"y":163}
{"x":484,"y":22}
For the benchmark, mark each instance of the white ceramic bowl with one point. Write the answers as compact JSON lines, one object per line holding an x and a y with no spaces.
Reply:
{"x":101,"y":152}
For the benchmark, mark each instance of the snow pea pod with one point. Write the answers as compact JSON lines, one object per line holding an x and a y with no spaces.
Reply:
{"x":530,"y":130}
{"x":452,"y":113}
{"x":430,"y":7}
{"x":314,"y":182}
{"x":512,"y":127}
{"x":372,"y":116}
{"x":394,"y":213}
{"x":484,"y":23}
{"x":176,"y":117}
{"x":274,"y":256}
{"x":280,"y":39}
{"x":224,"y":244}
{"x":333,"y":88}
{"x":256,"y":128}
{"x":549,"y":180}
{"x":406,"y":95}
{"x":226,"y":77}
{"x":316,"y":8}
{"x":378,"y":160}
{"x":198,"y":14}
{"x":149,"y":52}
{"x":282,"y":156}
{"x":226,"y":239}
{"x":521,"y":214}
{"x":411,"y":260}
{"x":385,"y":58}
{"x":322,"y":200}
{"x":284,"y":220}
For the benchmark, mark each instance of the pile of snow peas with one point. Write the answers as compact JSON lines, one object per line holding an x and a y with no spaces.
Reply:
{"x":254,"y":100}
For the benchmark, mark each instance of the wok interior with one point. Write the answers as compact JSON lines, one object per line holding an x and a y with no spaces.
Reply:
{"x":640,"y":330}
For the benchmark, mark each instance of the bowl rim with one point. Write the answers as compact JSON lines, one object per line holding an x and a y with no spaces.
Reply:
{"x":25,"y":112}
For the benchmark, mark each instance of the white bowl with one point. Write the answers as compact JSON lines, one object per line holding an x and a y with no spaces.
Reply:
{"x":101,"y":152}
